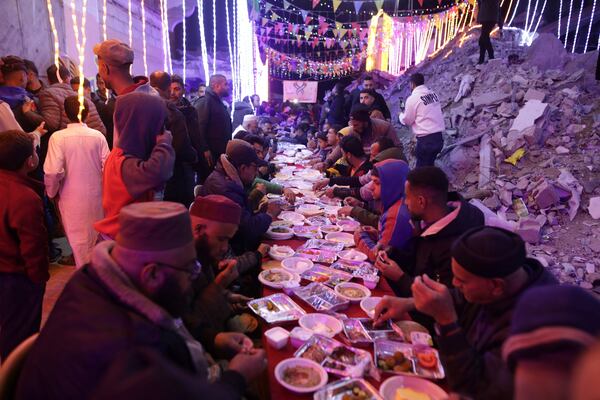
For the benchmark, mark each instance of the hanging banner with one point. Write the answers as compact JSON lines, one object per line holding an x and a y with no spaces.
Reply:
{"x":300,"y":91}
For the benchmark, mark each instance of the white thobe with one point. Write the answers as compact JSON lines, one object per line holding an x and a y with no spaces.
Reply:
{"x":73,"y":171}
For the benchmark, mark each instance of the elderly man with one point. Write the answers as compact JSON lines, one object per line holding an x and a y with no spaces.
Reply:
{"x":132,"y":295}
{"x":491,"y":272}
{"x":249,"y":125}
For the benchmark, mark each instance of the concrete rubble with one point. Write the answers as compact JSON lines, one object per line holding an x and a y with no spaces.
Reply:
{"x":543,"y":109}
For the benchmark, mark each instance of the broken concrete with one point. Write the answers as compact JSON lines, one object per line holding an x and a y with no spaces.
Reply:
{"x":546,"y":52}
{"x":545,"y":195}
{"x":594,"y":207}
{"x":490,"y":98}
{"x":533,"y":94}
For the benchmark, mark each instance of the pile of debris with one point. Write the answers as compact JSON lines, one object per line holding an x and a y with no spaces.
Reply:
{"x":523,"y":141}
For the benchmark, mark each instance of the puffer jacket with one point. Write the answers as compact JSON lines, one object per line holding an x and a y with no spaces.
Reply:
{"x":240,"y":110}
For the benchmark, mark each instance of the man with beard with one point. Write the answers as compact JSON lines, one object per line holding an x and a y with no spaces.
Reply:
{"x":132,"y":295}
{"x":215,"y":221}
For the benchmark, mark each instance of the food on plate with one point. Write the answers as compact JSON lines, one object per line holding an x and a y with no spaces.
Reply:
{"x":351,"y":292}
{"x":280,"y":229}
{"x":353,"y":255}
{"x":315,"y":353}
{"x":269,"y":306}
{"x":330,"y":228}
{"x":356,"y":392}
{"x":410,"y":394}
{"x":334,"y":365}
{"x":322,"y":329}
{"x":276,"y":276}
{"x":282,"y":250}
{"x":301,"y":376}
{"x":357,"y":334}
{"x":427,"y":359}
{"x":344,"y":355}
{"x":398,"y":362}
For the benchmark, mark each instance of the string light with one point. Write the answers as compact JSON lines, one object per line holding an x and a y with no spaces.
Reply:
{"x":169,"y":58}
{"x":80,"y":45}
{"x":204,"y":52}
{"x":55,"y":36}
{"x":214,"y":23}
{"x":527,"y":14}
{"x":532,"y":34}
{"x":104,"y":35}
{"x":560,"y":17}
{"x":164,"y":26}
{"x":130,"y":22}
{"x":184,"y":40}
{"x":231,"y":58}
{"x":144,"y":37}
{"x":587,"y":38}
{"x":568,"y":23}
{"x":514,"y":13}
{"x":508,"y":11}
{"x":577,"y":28}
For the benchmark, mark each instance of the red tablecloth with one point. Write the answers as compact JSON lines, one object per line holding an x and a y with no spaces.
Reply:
{"x":275,"y":356}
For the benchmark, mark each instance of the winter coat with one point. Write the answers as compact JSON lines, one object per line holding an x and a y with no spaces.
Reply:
{"x":379,"y":104}
{"x":337,"y":114}
{"x":98,"y":316}
{"x":241,"y":109}
{"x":215,"y":123}
{"x":23,"y":235}
{"x":489,"y":11}
{"x":252,"y":226}
{"x":15,"y":97}
{"x":106,"y":109}
{"x":394,"y":227}
{"x":429,"y":252}
{"x":377,"y":129}
{"x":472,"y":356}
{"x":197,"y":140}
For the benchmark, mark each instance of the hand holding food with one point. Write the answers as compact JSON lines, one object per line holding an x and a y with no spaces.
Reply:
{"x":345,"y":211}
{"x":228,"y":274}
{"x":392,"y":308}
{"x":231,"y":343}
{"x":433,"y":298}
{"x":289,"y":195}
{"x":329,"y":192}
{"x":250,"y":364}
{"x":320,"y":184}
{"x":388,"y":267}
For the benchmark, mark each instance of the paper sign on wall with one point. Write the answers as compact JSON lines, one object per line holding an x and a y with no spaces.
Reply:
{"x":300,"y":91}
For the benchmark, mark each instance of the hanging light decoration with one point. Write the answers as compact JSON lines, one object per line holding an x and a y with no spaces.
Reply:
{"x":55,"y":37}
{"x":164,"y":27}
{"x":587,"y":38}
{"x":577,"y":28}
{"x":144,"y":37}
{"x":214,"y":23}
{"x":80,"y":39}
{"x":130,"y":23}
{"x":568,"y":23}
{"x":104,"y":36}
{"x":184,"y":42}
{"x":231,"y":57}
{"x":204,"y":52}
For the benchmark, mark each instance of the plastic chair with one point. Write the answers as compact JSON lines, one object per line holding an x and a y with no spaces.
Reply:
{"x":10,"y":371}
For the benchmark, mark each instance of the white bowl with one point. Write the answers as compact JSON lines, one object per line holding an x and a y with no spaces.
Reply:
{"x":288,"y":234}
{"x":341,"y":237}
{"x":351,"y":285}
{"x":280,"y":253}
{"x":321,"y":324}
{"x":348,"y":225}
{"x":327,"y":229}
{"x":353,"y":255}
{"x":293,"y":217}
{"x":391,"y":385}
{"x":277,"y":337}
{"x":297,"y":264}
{"x":309,"y":210}
{"x":368,"y":305}
{"x":291,"y":277}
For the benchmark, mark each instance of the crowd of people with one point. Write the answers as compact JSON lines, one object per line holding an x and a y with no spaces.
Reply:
{"x":162,"y":198}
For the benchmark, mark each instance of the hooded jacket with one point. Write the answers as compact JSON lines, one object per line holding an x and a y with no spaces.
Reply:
{"x":429,"y":251}
{"x":394,"y":226}
{"x":241,"y":109}
{"x":138,"y":164}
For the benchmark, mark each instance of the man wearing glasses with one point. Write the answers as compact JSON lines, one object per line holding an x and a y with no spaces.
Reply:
{"x":132,"y":295}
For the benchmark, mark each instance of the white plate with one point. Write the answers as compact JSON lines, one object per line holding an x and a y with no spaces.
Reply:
{"x":293,"y":217}
{"x":290,"y":277}
{"x":297,"y":264}
{"x":307,"y":232}
{"x":368,"y":305}
{"x":280,"y":235}
{"x":391,"y":385}
{"x":352,"y":285}
{"x":303,"y":185}
{"x":348,"y":225}
{"x":353,"y":255}
{"x":280,"y":252}
{"x":327,"y":229}
{"x":309,"y":210}
{"x":280,"y":222}
{"x":321,"y":324}
{"x":292,"y":362}
{"x":341,"y":237}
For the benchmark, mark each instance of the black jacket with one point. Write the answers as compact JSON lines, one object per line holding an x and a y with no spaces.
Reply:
{"x":379,"y":104}
{"x":430,"y":254}
{"x":197,"y":140}
{"x":214,"y":122}
{"x":337,"y":114}
{"x":240,"y":109}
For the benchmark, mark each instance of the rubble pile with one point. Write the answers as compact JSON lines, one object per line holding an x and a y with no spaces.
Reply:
{"x":523,"y":142}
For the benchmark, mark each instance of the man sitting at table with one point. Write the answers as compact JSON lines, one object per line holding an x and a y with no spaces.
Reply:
{"x":491,"y":272}
{"x":394,"y":227}
{"x":234,"y":174}
{"x":132,"y":295}
{"x":440,"y":218}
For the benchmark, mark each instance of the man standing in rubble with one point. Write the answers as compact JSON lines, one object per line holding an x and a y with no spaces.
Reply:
{"x":423,"y":113}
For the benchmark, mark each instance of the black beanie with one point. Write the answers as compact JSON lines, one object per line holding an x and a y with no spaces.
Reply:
{"x":489,"y":252}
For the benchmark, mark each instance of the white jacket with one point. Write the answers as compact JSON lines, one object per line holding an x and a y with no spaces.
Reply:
{"x":423,"y":112}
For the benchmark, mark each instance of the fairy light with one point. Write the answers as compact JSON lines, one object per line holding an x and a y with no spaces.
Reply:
{"x":200,"y":5}
{"x":527,"y":14}
{"x":508,"y":11}
{"x":231,"y":58}
{"x":55,"y":37}
{"x":568,"y":23}
{"x":513,"y":14}
{"x":104,"y":35}
{"x":130,"y":22}
{"x":560,"y":17}
{"x":169,"y":58}
{"x":184,"y":40}
{"x":577,"y":28}
{"x":144,"y":37}
{"x":163,"y":27}
{"x":80,"y":45}
{"x":532,"y":34}
{"x":214,"y":23}
{"x":587,"y":38}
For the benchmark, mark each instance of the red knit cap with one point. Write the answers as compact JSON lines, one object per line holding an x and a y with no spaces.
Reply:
{"x":217,"y":208}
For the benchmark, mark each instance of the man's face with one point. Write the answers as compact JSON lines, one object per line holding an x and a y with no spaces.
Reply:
{"x":369,"y":84}
{"x":414,"y":201}
{"x":222,"y":89}
{"x":260,"y":151}
{"x":247,"y":173}
{"x":323,"y":143}
{"x":358,"y":126}
{"x":212,"y":239}
{"x":175,"y":293}
{"x":201,"y":91}
{"x":376,"y":187}
{"x":87,"y":91}
{"x":31,"y":78}
{"x":332,"y":137}
{"x":176,"y":91}
{"x":255,"y":101}
{"x":367,"y":99}
{"x":347,"y":157}
{"x":267,"y":128}
{"x":100,"y":83}
{"x":477,"y":290}
{"x":253,"y":127}
{"x":75,"y":86}
{"x":374,"y":150}
{"x":103,"y":71}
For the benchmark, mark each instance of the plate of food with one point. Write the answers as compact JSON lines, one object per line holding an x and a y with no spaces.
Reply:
{"x":280,"y":252}
{"x":318,"y":220}
{"x":321,"y":324}
{"x":292,"y":217}
{"x":323,"y":245}
{"x":309,"y":210}
{"x":307,"y":232}
{"x":280,"y":222}
{"x":362,"y":331}
{"x":407,"y":359}
{"x":409,"y":327}
{"x":358,"y":269}
{"x":308,"y":173}
{"x":316,"y":255}
{"x":327,"y":229}
{"x":348,"y":225}
{"x":297,"y":264}
{"x":368,"y":305}
{"x":300,"y":375}
{"x":277,"y":308}
{"x":345,"y":238}
{"x":277,"y":277}
{"x":280,"y":233}
{"x":353,"y":255}
{"x":354,"y":292}
{"x":321,"y":297}
{"x":328,"y":276}
{"x":411,"y":388}
{"x":300,"y":184}
{"x":328,"y":201}
{"x":348,"y":389}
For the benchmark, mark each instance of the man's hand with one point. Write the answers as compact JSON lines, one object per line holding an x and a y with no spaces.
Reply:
{"x":264,"y":170}
{"x":250,"y":364}
{"x":289,"y":195}
{"x":329,"y":192}
{"x":238,"y":302}
{"x":27,"y":106}
{"x":263,"y":249}
{"x":345,"y":211}
{"x":388,"y":267}
{"x":393,"y":308}
{"x":320,"y":166}
{"x":274,"y":209}
{"x":232,"y":343}
{"x":433,"y":298}
{"x":41,"y":130}
{"x":353,"y":202}
{"x":208,"y":157}
{"x":228,"y":272}
{"x":165,"y":137}
{"x":261,"y":187}
{"x":320,"y":184}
